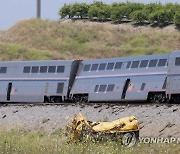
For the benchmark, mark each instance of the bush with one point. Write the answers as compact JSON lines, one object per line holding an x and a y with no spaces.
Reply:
{"x":161,"y":17}
{"x":139,"y":16}
{"x":177,"y":19}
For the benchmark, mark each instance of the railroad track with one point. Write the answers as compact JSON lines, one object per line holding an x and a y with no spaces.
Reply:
{"x":96,"y":105}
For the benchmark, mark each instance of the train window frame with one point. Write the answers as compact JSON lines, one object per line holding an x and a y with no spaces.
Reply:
{"x":102,"y":66}
{"x":143,"y":63}
{"x":96,"y":88}
{"x":94,"y":67}
{"x":52,"y":69}
{"x":87,"y":67}
{"x":153,"y":63}
{"x":118,"y":65}
{"x":3,"y":70}
{"x":102,"y":88}
{"x":34,"y":69}
{"x":162,"y":62}
{"x":110,"y":87}
{"x":110,"y":66}
{"x":135,"y":64}
{"x":43,"y":69}
{"x":60,"y":69}
{"x":27,"y":69}
{"x":177,"y":61}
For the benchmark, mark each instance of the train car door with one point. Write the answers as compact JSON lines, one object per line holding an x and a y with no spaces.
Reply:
{"x":126,"y":85}
{"x":9,"y":91}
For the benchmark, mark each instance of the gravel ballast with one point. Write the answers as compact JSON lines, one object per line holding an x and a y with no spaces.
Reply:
{"x":155,"y":120}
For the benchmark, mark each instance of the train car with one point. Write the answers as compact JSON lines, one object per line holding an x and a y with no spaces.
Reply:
{"x":173,"y":77}
{"x":37,"y":81}
{"x":137,"y":78}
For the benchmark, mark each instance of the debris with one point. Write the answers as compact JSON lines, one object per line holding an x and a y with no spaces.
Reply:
{"x":81,"y":129}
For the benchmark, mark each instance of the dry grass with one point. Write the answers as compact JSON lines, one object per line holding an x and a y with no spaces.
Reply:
{"x":23,"y":141}
{"x":86,"y":40}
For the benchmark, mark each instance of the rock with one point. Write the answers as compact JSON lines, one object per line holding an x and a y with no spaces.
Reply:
{"x":4,"y":116}
{"x":175,"y":109}
{"x":15,"y":111}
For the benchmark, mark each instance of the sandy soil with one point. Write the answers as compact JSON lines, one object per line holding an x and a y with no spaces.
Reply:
{"x":155,"y":120}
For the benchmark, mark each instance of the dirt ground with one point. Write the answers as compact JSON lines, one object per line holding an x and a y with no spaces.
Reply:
{"x":155,"y":120}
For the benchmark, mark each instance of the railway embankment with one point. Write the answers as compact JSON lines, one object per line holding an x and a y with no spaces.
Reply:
{"x":155,"y":120}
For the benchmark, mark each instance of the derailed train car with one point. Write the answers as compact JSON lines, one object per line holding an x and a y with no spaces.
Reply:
{"x":155,"y":78}
{"x":37,"y":81}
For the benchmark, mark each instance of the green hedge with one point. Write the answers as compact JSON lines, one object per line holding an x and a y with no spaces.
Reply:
{"x":153,"y":13}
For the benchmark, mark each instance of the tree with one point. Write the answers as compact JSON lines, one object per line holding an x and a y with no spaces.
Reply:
{"x":177,"y":19}
{"x":93,"y":11}
{"x":139,"y":16}
{"x":79,"y":10}
{"x":104,"y":12}
{"x":161,"y":17}
{"x":65,"y":11}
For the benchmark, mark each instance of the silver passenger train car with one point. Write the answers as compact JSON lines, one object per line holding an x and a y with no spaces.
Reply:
{"x":36,"y":81}
{"x":155,"y":78}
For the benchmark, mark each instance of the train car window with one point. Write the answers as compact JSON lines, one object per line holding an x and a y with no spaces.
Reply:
{"x":128,"y":64}
{"x":162,"y":62}
{"x":96,"y":88}
{"x":110,"y":66}
{"x":143,"y":86}
{"x":52,"y":69}
{"x":153,"y":63}
{"x":3,"y":69}
{"x":177,"y":62}
{"x":43,"y":69}
{"x":87,"y":67}
{"x":102,"y":66}
{"x":135,"y":64}
{"x":26,"y":69}
{"x":102,"y":88}
{"x":118,"y":65}
{"x":110,"y":87}
{"x":143,"y":63}
{"x":94,"y":67}
{"x":60,"y":69}
{"x":60,"y":88}
{"x":35,"y":69}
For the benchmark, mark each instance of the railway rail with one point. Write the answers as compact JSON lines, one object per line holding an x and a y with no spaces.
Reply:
{"x":95,"y":104}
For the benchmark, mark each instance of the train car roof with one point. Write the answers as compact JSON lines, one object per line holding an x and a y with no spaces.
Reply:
{"x":129,"y":58}
{"x":40,"y":62}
